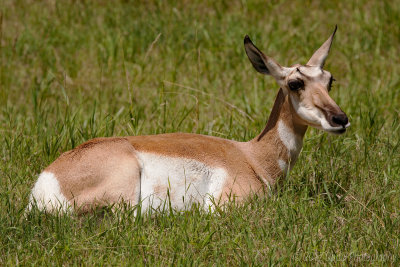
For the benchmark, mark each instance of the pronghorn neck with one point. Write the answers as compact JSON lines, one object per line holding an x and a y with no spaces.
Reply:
{"x":276,"y":149}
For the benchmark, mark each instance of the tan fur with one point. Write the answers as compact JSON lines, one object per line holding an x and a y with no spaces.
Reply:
{"x":321,"y":99}
{"x":264,"y":153}
{"x":273,"y":118}
{"x":212,"y":151}
{"x":107,"y":170}
{"x":99,"y":172}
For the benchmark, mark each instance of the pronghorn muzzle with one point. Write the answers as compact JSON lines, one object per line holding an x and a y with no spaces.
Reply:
{"x":337,"y":119}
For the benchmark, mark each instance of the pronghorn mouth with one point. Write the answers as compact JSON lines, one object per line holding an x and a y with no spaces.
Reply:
{"x":340,"y":130}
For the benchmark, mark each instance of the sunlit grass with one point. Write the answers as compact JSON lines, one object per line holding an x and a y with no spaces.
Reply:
{"x":74,"y":70}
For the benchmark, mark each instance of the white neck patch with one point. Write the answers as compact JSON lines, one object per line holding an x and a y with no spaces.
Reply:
{"x":292,"y":142}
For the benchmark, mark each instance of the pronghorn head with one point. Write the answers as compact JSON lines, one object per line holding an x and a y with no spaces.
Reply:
{"x":307,"y":86}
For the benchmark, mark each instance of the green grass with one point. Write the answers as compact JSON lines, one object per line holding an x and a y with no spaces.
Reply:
{"x":74,"y":70}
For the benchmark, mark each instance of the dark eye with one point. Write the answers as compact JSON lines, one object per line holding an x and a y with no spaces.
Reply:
{"x":330,"y":83}
{"x":295,"y":85}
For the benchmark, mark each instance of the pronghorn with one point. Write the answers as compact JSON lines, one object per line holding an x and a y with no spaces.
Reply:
{"x":192,"y":168}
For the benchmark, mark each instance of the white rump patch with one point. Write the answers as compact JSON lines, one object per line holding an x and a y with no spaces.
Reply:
{"x":46,"y":194}
{"x":178,"y":182}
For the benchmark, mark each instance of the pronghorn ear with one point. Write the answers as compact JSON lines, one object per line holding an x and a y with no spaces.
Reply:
{"x":261,"y":62}
{"x":319,"y":56}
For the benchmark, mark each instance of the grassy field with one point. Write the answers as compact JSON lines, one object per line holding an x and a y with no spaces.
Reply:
{"x":74,"y":70}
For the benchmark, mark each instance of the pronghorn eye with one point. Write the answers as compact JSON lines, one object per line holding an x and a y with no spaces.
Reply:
{"x":330,"y":83}
{"x":295,"y":85}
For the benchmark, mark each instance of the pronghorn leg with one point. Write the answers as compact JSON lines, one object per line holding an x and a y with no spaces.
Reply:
{"x":99,"y":172}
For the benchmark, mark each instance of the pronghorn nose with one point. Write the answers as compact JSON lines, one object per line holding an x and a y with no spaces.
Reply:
{"x":340,"y":119}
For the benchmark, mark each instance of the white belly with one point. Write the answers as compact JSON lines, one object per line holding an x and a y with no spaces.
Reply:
{"x":178,"y":181}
